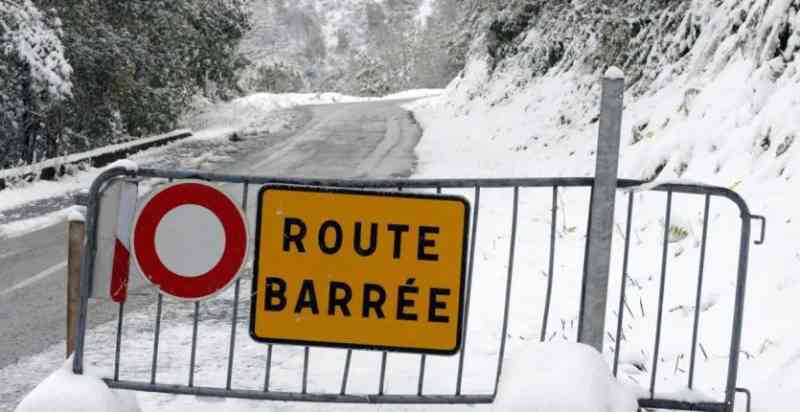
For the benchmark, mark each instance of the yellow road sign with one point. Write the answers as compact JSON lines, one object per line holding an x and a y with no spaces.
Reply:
{"x":357,"y":269}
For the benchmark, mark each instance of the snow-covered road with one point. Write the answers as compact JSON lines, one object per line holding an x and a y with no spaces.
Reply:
{"x":372,"y":139}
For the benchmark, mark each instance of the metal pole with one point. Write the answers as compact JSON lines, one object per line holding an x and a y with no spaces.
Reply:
{"x":74,"y":251}
{"x":591,"y":324}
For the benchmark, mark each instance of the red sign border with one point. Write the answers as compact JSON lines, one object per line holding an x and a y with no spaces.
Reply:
{"x":189,"y":193}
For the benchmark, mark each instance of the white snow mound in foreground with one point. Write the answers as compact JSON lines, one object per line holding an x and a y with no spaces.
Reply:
{"x":64,"y":391}
{"x":563,"y":377}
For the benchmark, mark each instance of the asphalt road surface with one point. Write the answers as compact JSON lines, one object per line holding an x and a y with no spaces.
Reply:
{"x":355,"y":140}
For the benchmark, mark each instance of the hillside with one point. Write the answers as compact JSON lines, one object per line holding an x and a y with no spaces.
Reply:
{"x":364,"y":47}
{"x":712,"y":97}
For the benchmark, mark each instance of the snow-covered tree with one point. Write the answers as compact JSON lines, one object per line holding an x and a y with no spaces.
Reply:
{"x":76,"y":74}
{"x":34,"y":81}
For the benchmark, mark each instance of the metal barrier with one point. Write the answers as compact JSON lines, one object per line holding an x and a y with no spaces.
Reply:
{"x":459,"y":394}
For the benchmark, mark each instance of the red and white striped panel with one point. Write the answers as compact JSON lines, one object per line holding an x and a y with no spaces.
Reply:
{"x":112,"y":262}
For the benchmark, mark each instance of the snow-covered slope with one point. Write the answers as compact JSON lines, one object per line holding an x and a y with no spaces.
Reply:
{"x":713,"y":96}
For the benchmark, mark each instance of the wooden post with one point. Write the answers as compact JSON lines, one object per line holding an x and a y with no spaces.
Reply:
{"x":74,"y":251}
{"x":591,"y":323}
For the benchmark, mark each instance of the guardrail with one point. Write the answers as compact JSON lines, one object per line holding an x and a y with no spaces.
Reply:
{"x":50,"y":169}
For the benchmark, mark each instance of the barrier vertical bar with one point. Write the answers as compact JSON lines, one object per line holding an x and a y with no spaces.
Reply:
{"x":382,"y":380}
{"x":468,"y":291}
{"x":660,"y":315}
{"x":87,"y":266}
{"x":699,"y":294}
{"x":118,"y":342}
{"x":157,"y":332}
{"x":235,"y":315}
{"x":346,"y":373}
{"x":193,"y":355}
{"x":423,"y":359}
{"x":591,"y":323}
{"x":421,"y":380}
{"x":738,"y":311}
{"x":156,"y":338}
{"x":551,"y":263}
{"x":509,"y":278}
{"x":268,"y":368}
{"x":305,"y":371}
{"x":623,"y":283}
{"x":384,"y":355}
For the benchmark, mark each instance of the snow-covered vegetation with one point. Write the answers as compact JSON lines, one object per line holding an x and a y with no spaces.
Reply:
{"x":705,"y":81}
{"x":81,"y":74}
{"x":34,"y":72}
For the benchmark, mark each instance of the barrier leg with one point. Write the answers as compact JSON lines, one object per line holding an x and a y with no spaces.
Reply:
{"x":74,"y":249}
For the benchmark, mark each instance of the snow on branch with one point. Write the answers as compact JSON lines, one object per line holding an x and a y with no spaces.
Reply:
{"x":35,"y":40}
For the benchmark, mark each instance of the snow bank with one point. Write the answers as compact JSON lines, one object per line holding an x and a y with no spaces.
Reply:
{"x":271,"y":101}
{"x":13,"y":197}
{"x":64,"y":391}
{"x":21,"y":227}
{"x":564,"y":377}
{"x":413,"y":94}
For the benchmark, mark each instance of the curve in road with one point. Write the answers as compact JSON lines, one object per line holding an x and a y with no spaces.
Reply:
{"x":354,"y":140}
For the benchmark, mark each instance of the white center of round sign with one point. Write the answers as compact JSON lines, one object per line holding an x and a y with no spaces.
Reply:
{"x":190,"y":240}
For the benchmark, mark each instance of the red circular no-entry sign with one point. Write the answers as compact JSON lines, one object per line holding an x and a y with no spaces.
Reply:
{"x":149,"y":254}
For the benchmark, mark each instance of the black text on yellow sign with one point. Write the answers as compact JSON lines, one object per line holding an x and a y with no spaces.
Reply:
{"x":356,"y":269}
